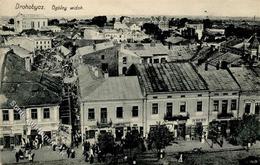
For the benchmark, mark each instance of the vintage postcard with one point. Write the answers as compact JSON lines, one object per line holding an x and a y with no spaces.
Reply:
{"x":138,"y":82}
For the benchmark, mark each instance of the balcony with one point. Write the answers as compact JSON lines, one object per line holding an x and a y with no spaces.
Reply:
{"x":104,"y":124}
{"x":176,"y":117}
{"x":225,"y":115}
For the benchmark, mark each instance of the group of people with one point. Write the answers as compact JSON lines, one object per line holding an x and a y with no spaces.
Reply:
{"x":89,"y":151}
{"x":32,"y":144}
{"x":26,"y":154}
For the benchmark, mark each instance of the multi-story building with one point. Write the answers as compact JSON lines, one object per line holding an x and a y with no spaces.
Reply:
{"x":112,"y":104}
{"x":31,"y":43}
{"x":175,"y":94}
{"x":248,"y":80}
{"x":29,"y":21}
{"x":36,"y":94}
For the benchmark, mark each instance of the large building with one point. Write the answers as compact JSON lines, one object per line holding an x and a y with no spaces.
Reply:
{"x":31,"y":43}
{"x":29,"y":21}
{"x":112,"y":104}
{"x":36,"y":94}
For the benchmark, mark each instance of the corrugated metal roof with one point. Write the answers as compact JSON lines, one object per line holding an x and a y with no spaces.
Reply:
{"x":170,"y":77}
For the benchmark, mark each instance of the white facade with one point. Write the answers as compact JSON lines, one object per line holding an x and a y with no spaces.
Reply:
{"x":26,"y":22}
{"x":43,"y":118}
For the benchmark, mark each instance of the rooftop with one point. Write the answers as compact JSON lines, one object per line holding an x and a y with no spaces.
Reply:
{"x":228,"y":57}
{"x":247,"y":78}
{"x":147,"y":50}
{"x":90,"y":49}
{"x":23,"y":53}
{"x":98,"y":88}
{"x":170,"y":77}
{"x":26,"y":88}
{"x":181,"y":53}
{"x":218,"y":80}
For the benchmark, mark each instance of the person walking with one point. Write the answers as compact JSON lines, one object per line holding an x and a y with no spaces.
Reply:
{"x":17,"y":156}
{"x":73,"y":154}
{"x":68,"y":152}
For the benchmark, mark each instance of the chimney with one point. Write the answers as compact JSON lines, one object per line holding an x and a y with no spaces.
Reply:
{"x":28,"y":64}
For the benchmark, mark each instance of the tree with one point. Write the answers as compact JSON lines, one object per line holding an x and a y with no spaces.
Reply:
{"x":121,"y":18}
{"x":99,"y":21}
{"x":106,"y":142}
{"x":207,"y":23}
{"x":248,"y":131}
{"x":159,"y":137}
{"x":132,"y":140}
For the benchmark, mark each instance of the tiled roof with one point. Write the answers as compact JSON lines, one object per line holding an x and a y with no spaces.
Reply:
{"x":98,"y":88}
{"x":218,"y":80}
{"x":27,"y":88}
{"x":247,"y":78}
{"x":175,"y":40}
{"x":170,"y":77}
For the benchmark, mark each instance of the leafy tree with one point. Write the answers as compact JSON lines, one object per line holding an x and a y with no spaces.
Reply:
{"x":159,"y":137}
{"x":121,"y":18}
{"x":106,"y":142}
{"x":248,"y":131}
{"x":99,"y":21}
{"x":132,"y":140}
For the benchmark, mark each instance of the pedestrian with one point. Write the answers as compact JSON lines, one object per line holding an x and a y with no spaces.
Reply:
{"x":30,"y":156}
{"x":91,"y":159}
{"x":68,"y":152}
{"x":86,"y":156}
{"x":77,"y":143}
{"x":73,"y":154}
{"x":17,"y":156}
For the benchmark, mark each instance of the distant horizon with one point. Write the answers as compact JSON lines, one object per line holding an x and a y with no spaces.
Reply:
{"x":136,"y":8}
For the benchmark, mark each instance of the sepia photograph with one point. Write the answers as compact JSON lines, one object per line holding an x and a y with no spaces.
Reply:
{"x":130,"y":82}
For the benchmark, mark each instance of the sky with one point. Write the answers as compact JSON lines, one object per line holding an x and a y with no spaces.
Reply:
{"x":233,"y":8}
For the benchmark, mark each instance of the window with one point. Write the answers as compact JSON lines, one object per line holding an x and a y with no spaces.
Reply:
{"x":247,"y":107}
{"x":135,"y":111}
{"x":43,"y":23}
{"x":156,"y":61}
{"x":154,"y":108}
{"x":199,"y":95}
{"x":5,"y":115}
{"x":199,"y":106}
{"x":155,"y":97}
{"x":91,"y":114}
{"x":16,"y":115}
{"x":103,"y":115}
{"x":234,"y":93}
{"x":119,"y":112}
{"x":257,"y":108}
{"x":46,"y":113}
{"x":169,"y":96}
{"x":233,"y":104}
{"x":163,"y":60}
{"x":216,"y":94}
{"x":169,"y":109}
{"x":224,"y":106}
{"x":216,"y":105}
{"x":182,"y":95}
{"x":90,"y":134}
{"x":225,"y":94}
{"x":183,"y":107}
{"x":124,"y":60}
{"x":38,"y":24}
{"x":34,"y":113}
{"x":124,"y":69}
{"x":102,"y":57}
